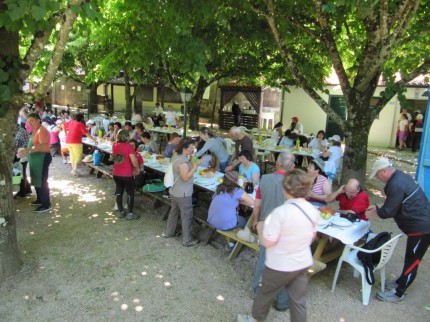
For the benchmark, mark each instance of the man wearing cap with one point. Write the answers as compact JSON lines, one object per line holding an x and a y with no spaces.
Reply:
{"x":296,"y":126}
{"x":407,"y":204}
{"x":269,"y":195}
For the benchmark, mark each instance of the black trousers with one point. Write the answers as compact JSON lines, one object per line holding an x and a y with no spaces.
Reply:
{"x":415,"y":140}
{"x":43,"y":192}
{"x":237,"y":119}
{"x":127,"y":184}
{"x":416,"y":247}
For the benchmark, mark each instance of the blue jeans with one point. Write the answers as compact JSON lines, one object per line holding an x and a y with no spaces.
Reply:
{"x":282,"y":297}
{"x":223,"y":165}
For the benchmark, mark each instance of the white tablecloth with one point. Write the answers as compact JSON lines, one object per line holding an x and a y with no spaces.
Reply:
{"x":347,"y":235}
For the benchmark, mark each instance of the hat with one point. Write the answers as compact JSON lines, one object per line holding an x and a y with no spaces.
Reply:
{"x":419,"y":117}
{"x":319,"y":162}
{"x":295,"y":119}
{"x":58,"y":122}
{"x":335,"y":138}
{"x":91,"y":122}
{"x":88,"y":158}
{"x":380,"y":164}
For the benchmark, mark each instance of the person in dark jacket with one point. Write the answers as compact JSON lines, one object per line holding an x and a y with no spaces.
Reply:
{"x":407,"y":204}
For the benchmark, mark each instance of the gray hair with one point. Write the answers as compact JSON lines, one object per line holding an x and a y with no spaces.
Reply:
{"x":286,"y":160}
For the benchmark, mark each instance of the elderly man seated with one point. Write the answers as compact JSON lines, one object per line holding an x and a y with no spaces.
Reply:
{"x":352,"y":198}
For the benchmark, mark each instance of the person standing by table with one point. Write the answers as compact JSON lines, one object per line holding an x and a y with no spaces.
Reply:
{"x":407,"y":204}
{"x":269,"y":195}
{"x":242,"y":142}
{"x":171,"y":117}
{"x":171,"y":145}
{"x":237,"y":113}
{"x":76,"y":130}
{"x":352,"y":198}
{"x":216,"y":146}
{"x":39,"y":159}
{"x":287,"y":234}
{"x":181,"y":192}
{"x":125,"y":168}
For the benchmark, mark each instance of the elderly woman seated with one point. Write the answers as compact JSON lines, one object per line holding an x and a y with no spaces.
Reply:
{"x":321,"y":187}
{"x":247,"y":168}
{"x":223,"y":209}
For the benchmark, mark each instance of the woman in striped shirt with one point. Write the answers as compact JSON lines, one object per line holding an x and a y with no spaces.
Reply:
{"x":322,"y":186}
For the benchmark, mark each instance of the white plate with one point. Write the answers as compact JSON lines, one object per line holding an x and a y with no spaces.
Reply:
{"x":204,"y":181}
{"x":341,"y":222}
{"x":323,"y":222}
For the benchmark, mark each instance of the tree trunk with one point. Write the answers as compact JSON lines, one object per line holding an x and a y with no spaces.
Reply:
{"x":128,"y":96}
{"x":10,"y":262}
{"x":92,"y":104}
{"x":195,"y":102}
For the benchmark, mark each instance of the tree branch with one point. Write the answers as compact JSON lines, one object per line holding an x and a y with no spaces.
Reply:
{"x":68,"y":18}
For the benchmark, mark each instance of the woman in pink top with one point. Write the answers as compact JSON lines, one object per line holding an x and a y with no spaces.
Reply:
{"x":321,"y":185}
{"x":125,"y":168}
{"x":75,"y":131}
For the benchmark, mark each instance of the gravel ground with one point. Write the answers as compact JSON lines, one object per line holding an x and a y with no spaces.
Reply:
{"x":82,"y":264}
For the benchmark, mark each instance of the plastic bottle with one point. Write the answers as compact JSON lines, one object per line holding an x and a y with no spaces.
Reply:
{"x":97,"y":157}
{"x":297,"y":143}
{"x":100,"y":133}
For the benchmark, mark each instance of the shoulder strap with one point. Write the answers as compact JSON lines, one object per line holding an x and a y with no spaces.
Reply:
{"x":174,"y":173}
{"x":303,"y":212}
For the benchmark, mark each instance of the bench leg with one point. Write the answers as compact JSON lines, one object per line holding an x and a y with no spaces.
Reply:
{"x":235,"y":251}
{"x":99,"y":174}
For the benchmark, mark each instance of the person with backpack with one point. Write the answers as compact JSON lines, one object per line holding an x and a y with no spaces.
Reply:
{"x":407,"y":204}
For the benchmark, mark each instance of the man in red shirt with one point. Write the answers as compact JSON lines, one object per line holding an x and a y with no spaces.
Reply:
{"x":352,"y":198}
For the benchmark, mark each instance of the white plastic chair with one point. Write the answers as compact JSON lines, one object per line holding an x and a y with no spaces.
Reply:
{"x":349,"y":255}
{"x":230,"y":145}
{"x":262,"y":154}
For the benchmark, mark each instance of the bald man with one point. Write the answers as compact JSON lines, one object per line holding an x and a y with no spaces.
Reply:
{"x":352,"y":198}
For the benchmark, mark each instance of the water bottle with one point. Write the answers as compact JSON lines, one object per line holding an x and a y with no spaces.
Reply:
{"x":297,"y":143}
{"x":100,"y":133}
{"x":97,"y":157}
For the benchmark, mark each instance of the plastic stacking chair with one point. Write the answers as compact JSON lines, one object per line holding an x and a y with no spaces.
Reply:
{"x":349,"y":255}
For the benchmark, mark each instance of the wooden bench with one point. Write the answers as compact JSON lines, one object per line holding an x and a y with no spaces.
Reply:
{"x":99,"y":170}
{"x":158,"y":199}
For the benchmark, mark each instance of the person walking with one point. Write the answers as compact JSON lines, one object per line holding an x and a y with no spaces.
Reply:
{"x":407,"y":204}
{"x":269,"y":195}
{"x":287,"y":234}
{"x":75,"y":131}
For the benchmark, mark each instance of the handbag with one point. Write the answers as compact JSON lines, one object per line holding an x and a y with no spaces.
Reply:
{"x":155,"y":185}
{"x":139,"y":180}
{"x":169,"y":177}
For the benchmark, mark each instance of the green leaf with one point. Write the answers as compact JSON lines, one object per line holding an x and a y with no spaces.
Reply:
{"x":3,"y":76}
{"x":38,"y":13}
{"x":5,"y":93}
{"x":15,"y":13}
{"x":76,"y":9}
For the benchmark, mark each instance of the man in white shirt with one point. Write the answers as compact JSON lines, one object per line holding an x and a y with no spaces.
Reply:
{"x":158,"y":114}
{"x":171,"y":116}
{"x":296,"y":126}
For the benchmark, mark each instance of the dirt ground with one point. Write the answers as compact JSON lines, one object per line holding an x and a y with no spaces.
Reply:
{"x":82,"y":264}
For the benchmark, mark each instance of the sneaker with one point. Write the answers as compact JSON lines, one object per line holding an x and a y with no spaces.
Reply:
{"x":64,"y":161}
{"x":229,"y":247}
{"x":36,"y":203}
{"x":75,"y":173}
{"x":244,"y":318}
{"x":121,"y":214}
{"x":390,"y":296}
{"x":391,"y":284}
{"x":42,"y":209}
{"x":132,"y":216}
{"x":192,"y":242}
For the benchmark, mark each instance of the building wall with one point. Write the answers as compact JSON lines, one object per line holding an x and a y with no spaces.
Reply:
{"x":69,"y":92}
{"x":383,"y":130}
